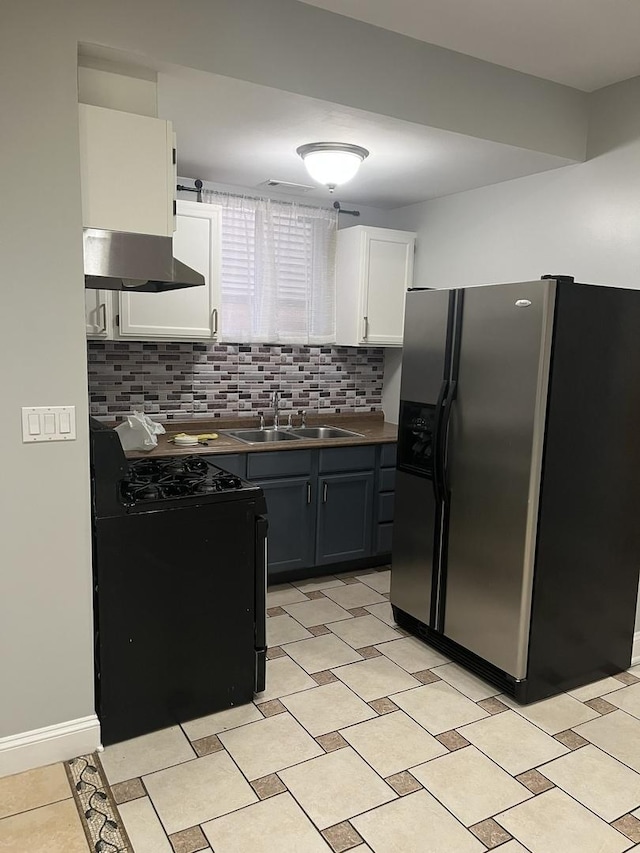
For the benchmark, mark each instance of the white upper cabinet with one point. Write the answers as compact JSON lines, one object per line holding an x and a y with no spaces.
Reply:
{"x":190,"y":313}
{"x":374,"y":270}
{"x":98,"y":313}
{"x":127,"y":171}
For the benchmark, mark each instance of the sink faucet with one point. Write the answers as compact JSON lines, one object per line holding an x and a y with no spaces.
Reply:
{"x":276,"y":409}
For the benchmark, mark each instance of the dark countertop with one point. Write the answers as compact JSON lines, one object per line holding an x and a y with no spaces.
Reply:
{"x":372,"y":427}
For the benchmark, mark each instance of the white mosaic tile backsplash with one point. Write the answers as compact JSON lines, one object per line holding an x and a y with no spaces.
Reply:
{"x":178,"y":380}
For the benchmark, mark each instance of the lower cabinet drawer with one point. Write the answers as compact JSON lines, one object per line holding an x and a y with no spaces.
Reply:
{"x":348,"y":459}
{"x":387,"y":480}
{"x":235,"y":463}
{"x":278,"y":463}
{"x":385,"y":506}
{"x":388,"y":454}
{"x":384,"y":537}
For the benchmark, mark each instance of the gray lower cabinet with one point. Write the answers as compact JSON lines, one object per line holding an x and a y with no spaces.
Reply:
{"x":333,"y":505}
{"x":291,"y":516}
{"x":345,"y":517}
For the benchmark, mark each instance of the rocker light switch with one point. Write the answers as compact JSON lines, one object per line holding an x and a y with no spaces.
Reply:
{"x":48,"y":423}
{"x":34,"y":424}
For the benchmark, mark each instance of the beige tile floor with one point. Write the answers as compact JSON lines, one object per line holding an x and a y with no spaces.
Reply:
{"x":38,"y":813}
{"x":367,"y":741}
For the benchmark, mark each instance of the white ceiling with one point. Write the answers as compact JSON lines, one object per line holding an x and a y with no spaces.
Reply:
{"x":233,"y":132}
{"x":582,"y":43}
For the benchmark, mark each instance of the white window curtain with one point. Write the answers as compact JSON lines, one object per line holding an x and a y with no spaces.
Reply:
{"x":278,"y":271}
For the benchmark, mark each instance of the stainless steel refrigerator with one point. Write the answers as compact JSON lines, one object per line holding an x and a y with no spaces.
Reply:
{"x":517,"y":521}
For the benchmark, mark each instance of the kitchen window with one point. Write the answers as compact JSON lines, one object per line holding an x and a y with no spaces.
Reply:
{"x":278,"y":272}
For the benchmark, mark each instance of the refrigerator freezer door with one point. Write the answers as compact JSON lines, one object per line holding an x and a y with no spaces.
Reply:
{"x":424,"y":355}
{"x":495,"y":449}
{"x":416,"y":518}
{"x":418,"y":514}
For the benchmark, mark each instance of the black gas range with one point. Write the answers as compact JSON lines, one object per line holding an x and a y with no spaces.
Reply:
{"x":179,"y":559}
{"x":122,"y":486}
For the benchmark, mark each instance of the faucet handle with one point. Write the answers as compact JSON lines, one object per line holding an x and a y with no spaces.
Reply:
{"x":261,"y":420}
{"x":303,"y":417}
{"x":289,"y":421}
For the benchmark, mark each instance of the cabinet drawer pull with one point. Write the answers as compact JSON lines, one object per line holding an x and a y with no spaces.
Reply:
{"x":308,"y":493}
{"x":325,"y":489}
{"x":214,"y":322}
{"x":102,"y":312}
{"x":365,"y":333}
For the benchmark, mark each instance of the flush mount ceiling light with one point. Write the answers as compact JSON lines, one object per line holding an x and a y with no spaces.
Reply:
{"x":332,"y":163}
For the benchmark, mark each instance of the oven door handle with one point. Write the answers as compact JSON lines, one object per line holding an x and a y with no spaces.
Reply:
{"x":261,"y":601}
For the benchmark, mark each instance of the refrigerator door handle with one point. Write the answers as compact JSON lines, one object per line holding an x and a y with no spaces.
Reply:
{"x":440,"y":466}
{"x":261,"y":602}
{"x":441,"y":447}
{"x":438,"y":429}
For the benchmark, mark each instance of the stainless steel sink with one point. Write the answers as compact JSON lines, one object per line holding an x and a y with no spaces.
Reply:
{"x":325,"y":432}
{"x":261,"y":436}
{"x":266,"y":436}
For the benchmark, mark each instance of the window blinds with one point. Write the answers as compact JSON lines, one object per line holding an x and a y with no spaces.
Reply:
{"x":278,"y":272}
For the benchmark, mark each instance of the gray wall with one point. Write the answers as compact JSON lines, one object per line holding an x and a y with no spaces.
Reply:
{"x":45,"y":604}
{"x":391,"y":384}
{"x":46,"y":668}
{"x":583,"y":220}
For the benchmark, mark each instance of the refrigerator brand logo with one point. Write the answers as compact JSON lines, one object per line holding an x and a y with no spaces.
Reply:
{"x":523,"y":303}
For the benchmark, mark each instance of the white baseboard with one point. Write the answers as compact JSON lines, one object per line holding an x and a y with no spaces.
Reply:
{"x":48,"y":745}
{"x":635,"y":651}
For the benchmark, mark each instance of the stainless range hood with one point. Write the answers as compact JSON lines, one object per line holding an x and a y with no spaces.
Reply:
{"x":116,"y":260}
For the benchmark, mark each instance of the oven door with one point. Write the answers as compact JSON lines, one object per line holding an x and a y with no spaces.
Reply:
{"x":175,"y":611}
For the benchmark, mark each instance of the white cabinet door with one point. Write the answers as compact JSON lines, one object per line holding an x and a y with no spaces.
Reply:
{"x":127,"y":171}
{"x":388,"y":273}
{"x":98,"y":313}
{"x":190,"y":313}
{"x":374,"y":269}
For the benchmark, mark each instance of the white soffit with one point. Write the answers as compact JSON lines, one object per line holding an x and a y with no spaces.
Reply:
{"x":233,"y":132}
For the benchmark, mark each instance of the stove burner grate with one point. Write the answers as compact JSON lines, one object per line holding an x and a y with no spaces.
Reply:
{"x":165,"y":479}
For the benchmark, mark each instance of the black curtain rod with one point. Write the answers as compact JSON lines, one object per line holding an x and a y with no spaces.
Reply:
{"x":336,"y":204}
{"x":197,"y":188}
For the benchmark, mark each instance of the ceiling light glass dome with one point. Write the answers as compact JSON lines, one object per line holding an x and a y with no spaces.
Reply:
{"x":332,"y":163}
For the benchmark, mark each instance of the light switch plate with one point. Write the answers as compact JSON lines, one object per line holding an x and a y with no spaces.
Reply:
{"x":48,"y":423}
